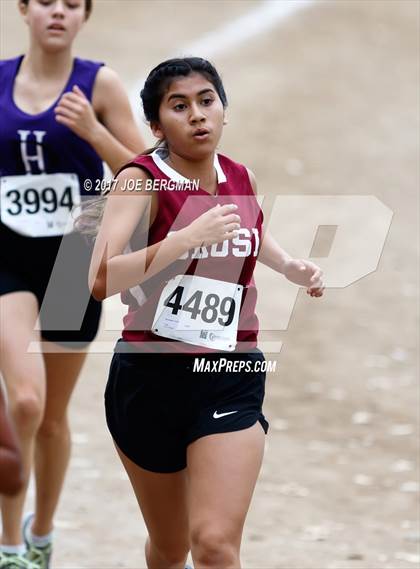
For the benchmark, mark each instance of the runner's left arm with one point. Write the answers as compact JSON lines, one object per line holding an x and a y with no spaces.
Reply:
{"x":298,"y":271}
{"x":107,"y":124}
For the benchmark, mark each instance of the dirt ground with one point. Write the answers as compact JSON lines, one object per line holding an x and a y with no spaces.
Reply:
{"x":323,"y":103}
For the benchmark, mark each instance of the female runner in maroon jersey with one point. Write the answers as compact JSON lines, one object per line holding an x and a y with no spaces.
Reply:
{"x":183,"y":257}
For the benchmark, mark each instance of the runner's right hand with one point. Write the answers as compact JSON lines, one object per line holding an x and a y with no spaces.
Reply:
{"x":216,"y":225}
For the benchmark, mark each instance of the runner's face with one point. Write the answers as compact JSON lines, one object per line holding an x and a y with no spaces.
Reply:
{"x":54,"y":24}
{"x":191,"y":117}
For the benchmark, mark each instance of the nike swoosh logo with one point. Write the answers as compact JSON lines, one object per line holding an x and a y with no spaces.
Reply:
{"x":217,"y":415}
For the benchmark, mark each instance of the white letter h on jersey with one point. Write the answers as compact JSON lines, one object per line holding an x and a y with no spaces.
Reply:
{"x":39,"y":156}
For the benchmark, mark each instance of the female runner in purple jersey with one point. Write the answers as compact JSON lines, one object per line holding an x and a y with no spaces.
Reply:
{"x":191,"y":443}
{"x":61,"y":117}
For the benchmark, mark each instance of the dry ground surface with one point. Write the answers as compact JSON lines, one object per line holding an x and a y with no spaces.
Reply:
{"x":323,"y":103}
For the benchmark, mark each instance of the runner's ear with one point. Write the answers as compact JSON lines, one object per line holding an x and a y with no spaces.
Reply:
{"x":157,"y":131}
{"x":23,"y":8}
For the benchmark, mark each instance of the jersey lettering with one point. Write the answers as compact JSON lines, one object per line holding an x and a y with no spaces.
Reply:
{"x":242,"y":243}
{"x":224,"y":252}
{"x":200,"y":253}
{"x":241,"y":246}
{"x":37,"y":158}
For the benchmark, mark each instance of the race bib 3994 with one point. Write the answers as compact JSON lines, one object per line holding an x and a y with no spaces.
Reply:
{"x":39,"y":205}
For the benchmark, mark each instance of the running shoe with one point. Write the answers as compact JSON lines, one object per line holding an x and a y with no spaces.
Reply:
{"x":13,"y":561}
{"x":39,"y":555}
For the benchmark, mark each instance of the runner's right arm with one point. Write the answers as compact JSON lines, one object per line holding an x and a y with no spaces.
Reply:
{"x":112,"y":271}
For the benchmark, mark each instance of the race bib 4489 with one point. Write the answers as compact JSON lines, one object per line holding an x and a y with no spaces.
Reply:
{"x":200,"y":311}
{"x":39,"y":205}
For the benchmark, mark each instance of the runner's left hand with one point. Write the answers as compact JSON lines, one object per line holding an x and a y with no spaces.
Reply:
{"x":305,"y":273}
{"x":75,"y":111}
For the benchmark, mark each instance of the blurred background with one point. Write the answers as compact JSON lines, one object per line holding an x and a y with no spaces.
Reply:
{"x":323,"y":100}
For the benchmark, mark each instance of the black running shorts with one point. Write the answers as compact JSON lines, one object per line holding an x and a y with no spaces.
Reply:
{"x":156,"y":405}
{"x":70,"y":316}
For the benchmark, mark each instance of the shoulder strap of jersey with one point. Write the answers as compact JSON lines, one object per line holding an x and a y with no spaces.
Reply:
{"x":144,"y":162}
{"x":84,"y":75}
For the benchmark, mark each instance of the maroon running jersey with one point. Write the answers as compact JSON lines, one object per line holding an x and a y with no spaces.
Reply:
{"x":204,"y":301}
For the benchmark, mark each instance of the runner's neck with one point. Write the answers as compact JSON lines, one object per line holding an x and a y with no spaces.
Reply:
{"x":41,"y":66}
{"x":203,"y":170}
